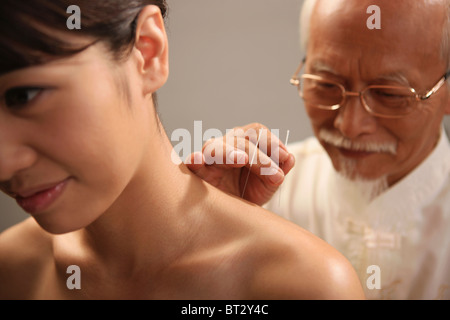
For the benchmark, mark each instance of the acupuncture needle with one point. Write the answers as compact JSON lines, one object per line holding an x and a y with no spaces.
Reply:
{"x":251,"y":164}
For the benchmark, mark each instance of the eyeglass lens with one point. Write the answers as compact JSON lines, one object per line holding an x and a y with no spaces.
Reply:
{"x":386,"y":100}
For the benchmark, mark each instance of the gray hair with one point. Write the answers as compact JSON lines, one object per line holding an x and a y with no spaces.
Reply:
{"x":305,"y":18}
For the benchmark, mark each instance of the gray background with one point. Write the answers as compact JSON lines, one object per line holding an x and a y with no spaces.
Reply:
{"x":230,"y":62}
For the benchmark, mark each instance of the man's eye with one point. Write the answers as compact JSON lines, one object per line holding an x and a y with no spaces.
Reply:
{"x":390,"y":95}
{"x":19,"y":97}
{"x":325,"y":85}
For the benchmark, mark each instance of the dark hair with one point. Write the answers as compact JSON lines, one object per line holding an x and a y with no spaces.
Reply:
{"x":33,"y":32}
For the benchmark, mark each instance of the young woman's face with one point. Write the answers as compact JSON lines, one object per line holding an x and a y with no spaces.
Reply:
{"x":70,"y":138}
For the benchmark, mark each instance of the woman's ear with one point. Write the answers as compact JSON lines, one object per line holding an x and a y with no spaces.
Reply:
{"x":152,"y":49}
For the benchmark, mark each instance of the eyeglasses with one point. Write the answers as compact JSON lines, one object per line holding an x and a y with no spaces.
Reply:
{"x":379,"y":100}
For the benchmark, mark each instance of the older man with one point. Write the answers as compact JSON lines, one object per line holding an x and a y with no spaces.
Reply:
{"x":375,"y":180}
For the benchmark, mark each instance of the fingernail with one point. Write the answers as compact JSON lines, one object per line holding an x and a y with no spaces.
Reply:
{"x":198,"y":158}
{"x":277,"y":176}
{"x":284,"y":154}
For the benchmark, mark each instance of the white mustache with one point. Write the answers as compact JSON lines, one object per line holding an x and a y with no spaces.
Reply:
{"x":339,"y":141}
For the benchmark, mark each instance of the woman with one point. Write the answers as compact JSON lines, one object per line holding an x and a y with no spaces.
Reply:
{"x":83,"y":151}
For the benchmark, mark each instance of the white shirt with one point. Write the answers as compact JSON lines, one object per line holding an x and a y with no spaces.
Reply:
{"x":399,"y":243}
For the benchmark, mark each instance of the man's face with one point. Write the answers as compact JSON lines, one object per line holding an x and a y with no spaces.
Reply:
{"x":405,"y":51}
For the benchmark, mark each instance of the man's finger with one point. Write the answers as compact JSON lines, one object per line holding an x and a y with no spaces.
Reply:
{"x":195,"y":161}
{"x":269,"y":143}
{"x":262,"y":166}
{"x":217,"y":152}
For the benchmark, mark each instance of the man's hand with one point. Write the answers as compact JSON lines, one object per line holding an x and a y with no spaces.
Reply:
{"x":253,"y":163}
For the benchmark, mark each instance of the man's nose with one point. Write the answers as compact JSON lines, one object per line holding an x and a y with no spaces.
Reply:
{"x":353,"y":119}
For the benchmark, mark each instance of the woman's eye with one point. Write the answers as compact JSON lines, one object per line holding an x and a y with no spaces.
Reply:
{"x":19,"y":97}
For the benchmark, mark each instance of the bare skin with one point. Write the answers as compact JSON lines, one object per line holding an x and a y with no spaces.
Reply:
{"x":138,"y":225}
{"x":232,"y":255}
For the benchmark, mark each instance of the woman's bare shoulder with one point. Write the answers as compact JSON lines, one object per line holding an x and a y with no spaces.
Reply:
{"x":24,"y":237}
{"x":304,"y":268}
{"x":24,"y":250}
{"x":296,"y":264}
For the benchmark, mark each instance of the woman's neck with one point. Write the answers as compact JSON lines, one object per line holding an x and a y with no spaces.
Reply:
{"x":149,"y":223}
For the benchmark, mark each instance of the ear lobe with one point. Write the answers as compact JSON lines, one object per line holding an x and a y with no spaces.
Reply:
{"x":151,"y":45}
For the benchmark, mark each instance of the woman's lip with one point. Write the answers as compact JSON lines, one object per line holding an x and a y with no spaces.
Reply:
{"x":41,"y":200}
{"x":26,"y":193}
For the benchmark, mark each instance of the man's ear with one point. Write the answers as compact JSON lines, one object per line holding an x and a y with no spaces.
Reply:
{"x":152,"y":49}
